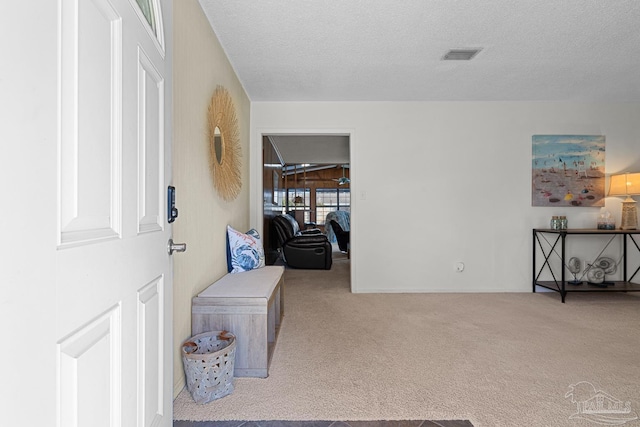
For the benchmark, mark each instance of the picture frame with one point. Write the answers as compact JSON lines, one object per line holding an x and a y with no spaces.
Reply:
{"x":568,"y":170}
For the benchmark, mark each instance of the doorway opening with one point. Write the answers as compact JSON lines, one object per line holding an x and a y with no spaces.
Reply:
{"x":308,"y":177}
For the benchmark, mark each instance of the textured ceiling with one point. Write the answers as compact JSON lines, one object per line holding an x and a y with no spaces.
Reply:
{"x":384,"y":50}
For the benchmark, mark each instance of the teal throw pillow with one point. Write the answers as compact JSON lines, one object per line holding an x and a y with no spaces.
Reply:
{"x":244,"y":250}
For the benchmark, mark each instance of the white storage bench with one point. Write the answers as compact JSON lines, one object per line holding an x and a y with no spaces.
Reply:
{"x":250,"y":305}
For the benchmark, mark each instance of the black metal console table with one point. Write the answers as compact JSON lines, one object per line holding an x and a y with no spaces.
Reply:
{"x":559,"y":282}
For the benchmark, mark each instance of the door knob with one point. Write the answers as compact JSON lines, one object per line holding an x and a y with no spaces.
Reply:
{"x":176,"y":247}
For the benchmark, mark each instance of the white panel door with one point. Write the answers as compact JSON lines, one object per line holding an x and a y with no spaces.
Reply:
{"x":113,"y":272}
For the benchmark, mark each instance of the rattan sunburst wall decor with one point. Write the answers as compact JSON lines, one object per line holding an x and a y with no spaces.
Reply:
{"x":224,"y":145}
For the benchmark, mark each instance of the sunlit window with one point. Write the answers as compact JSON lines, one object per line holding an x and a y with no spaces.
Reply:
{"x":332,"y":199}
{"x":299,"y":200}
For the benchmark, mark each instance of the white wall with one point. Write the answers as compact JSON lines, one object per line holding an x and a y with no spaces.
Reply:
{"x":200,"y":65}
{"x":456,"y":184}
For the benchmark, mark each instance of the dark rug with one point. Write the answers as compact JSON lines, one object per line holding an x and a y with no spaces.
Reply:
{"x":405,"y":423}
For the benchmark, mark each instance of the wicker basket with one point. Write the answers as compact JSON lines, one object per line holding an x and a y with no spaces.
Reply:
{"x":208,"y":361}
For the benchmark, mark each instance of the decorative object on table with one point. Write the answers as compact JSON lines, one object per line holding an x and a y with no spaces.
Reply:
{"x":224,"y":145}
{"x":568,"y":170}
{"x":597,"y":272}
{"x":574,"y":267}
{"x":208,"y":360}
{"x":608,"y":265}
{"x":564,"y":223}
{"x":595,"y":275}
{"x":606,"y":221}
{"x":559,"y":222}
{"x":626,"y":184}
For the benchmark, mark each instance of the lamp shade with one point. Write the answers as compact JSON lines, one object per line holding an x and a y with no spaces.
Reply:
{"x":625,"y":184}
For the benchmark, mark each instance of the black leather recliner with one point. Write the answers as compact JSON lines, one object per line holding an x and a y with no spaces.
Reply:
{"x":309,"y":249}
{"x":341,"y":236}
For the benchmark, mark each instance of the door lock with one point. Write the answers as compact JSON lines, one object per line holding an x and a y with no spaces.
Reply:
{"x":176,"y":247}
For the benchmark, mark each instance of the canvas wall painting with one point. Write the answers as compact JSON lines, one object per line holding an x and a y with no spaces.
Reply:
{"x":568,"y":170}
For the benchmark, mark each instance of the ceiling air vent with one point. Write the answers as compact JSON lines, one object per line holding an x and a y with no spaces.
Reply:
{"x":460,"y":54}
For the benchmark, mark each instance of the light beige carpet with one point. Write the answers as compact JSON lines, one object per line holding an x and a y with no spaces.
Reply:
{"x":494,"y":359}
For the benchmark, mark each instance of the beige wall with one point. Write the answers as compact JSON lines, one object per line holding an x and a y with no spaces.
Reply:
{"x":200,"y":65}
{"x":456,"y":185}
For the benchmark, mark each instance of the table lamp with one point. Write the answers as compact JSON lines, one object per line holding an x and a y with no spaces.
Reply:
{"x":626,"y":184}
